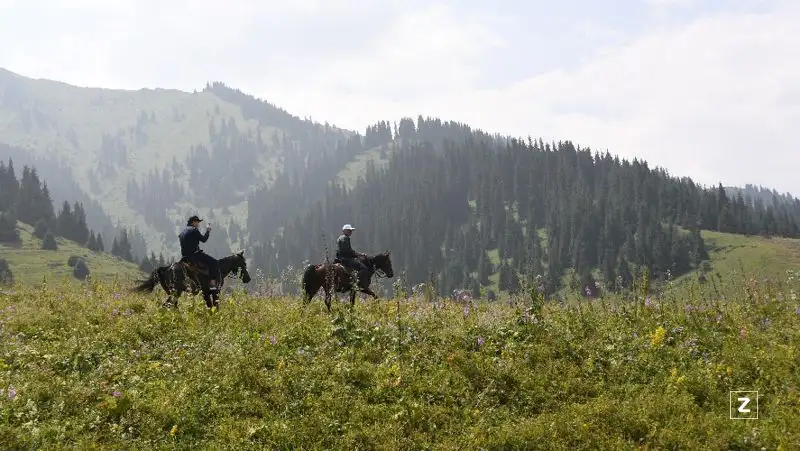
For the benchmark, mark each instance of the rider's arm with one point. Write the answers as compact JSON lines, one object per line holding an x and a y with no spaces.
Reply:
{"x":202,"y":237}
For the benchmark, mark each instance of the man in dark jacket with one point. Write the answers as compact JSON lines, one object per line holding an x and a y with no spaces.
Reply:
{"x":348,"y":257}
{"x":191,"y":238}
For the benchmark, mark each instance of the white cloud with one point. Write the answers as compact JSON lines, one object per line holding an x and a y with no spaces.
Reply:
{"x":715,"y":99}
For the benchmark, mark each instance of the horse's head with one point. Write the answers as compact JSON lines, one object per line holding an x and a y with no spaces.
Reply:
{"x":239,"y":267}
{"x":383,"y":263}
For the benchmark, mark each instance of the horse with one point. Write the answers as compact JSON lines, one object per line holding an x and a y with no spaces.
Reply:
{"x":184,"y":276}
{"x":334,"y":276}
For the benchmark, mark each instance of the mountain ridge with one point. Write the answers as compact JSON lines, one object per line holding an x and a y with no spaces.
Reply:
{"x":150,"y":157}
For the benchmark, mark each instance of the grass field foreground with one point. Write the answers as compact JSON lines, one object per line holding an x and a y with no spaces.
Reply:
{"x":98,"y":367}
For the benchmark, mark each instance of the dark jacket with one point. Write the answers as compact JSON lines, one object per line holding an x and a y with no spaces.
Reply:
{"x":344,"y":249}
{"x":191,"y":238}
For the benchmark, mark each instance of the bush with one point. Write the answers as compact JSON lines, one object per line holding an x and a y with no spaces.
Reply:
{"x":6,"y":277}
{"x":81,"y":270}
{"x":49,"y":243}
{"x":73,"y":260}
{"x":8,"y":228}
{"x":40,"y":229}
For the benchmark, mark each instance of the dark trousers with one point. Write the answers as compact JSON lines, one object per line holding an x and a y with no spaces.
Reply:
{"x":210,"y":262}
{"x":363,"y":271}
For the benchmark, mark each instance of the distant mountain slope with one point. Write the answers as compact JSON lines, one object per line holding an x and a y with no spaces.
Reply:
{"x":151,"y":157}
{"x":30,"y":264}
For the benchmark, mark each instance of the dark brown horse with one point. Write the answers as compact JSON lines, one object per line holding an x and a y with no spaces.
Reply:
{"x":183,"y":276}
{"x":334,"y":276}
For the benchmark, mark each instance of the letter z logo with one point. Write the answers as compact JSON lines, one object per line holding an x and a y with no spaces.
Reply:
{"x":745,"y":401}
{"x":744,"y":405}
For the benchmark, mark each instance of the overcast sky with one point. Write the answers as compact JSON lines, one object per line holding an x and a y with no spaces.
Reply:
{"x":706,"y":88}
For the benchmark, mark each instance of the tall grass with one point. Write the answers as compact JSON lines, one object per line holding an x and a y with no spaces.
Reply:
{"x":95,"y":367}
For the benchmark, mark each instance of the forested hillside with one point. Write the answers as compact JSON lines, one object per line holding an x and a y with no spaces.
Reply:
{"x":28,"y":201}
{"x":464,"y":209}
{"x":458,"y":206}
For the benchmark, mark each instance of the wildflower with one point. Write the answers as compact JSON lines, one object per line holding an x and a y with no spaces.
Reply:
{"x":658,"y":336}
{"x":12,"y":393}
{"x":115,"y":312}
{"x":797,"y":310}
{"x":743,"y":332}
{"x":116,"y":394}
{"x":480,"y":341}
{"x":466,"y":311}
{"x":174,"y":430}
{"x":272,"y":339}
{"x":648,"y":302}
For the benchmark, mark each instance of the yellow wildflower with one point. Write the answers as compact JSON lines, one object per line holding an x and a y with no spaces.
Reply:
{"x":658,"y":336}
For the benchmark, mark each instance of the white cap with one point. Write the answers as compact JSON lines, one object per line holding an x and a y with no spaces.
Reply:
{"x":348,"y":227}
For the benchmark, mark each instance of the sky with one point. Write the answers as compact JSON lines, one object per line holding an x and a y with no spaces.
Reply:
{"x":708,"y":89}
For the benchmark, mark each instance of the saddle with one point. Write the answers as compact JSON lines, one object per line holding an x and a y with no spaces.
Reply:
{"x":193,"y":266}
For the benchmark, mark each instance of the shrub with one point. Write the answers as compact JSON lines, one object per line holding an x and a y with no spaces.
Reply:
{"x":49,"y":243}
{"x":6,"y":276}
{"x":81,"y":270}
{"x":40,"y":229}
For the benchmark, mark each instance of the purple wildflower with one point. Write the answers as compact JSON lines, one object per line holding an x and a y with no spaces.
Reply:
{"x":12,"y":393}
{"x":466,"y":311}
{"x":648,"y":302}
{"x":115,"y":312}
{"x":797,"y":310}
{"x":272,"y":339}
{"x":480,"y":341}
{"x":116,"y":393}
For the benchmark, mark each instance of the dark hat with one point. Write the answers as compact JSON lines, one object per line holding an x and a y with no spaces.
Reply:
{"x":193,"y":219}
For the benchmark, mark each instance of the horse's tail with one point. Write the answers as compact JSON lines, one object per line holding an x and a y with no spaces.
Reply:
{"x":149,"y":284}
{"x":307,"y":276}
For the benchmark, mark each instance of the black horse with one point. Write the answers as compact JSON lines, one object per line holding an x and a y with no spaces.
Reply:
{"x":185,"y":276}
{"x":335,"y":275}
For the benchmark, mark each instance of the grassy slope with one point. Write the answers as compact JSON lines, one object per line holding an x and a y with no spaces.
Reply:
{"x":729,"y":254}
{"x":30,"y":264}
{"x":765,"y":257}
{"x":116,"y":371}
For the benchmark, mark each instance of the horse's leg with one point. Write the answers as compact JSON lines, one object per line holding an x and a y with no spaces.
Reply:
{"x":369,"y":291}
{"x":328,"y":298}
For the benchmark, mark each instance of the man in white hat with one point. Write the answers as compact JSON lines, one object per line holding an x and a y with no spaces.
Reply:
{"x":348,"y":257}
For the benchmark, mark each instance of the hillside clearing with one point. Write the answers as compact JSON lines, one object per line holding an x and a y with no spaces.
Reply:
{"x":31,"y":265}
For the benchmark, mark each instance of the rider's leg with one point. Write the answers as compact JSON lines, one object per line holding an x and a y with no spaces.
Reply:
{"x":363,"y":273}
{"x":213,"y":270}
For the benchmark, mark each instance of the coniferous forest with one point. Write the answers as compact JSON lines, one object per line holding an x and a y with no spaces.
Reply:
{"x":551,"y":214}
{"x":28,"y":200}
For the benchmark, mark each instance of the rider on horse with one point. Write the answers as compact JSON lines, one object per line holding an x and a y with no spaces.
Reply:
{"x":348,"y":257}
{"x":191,"y":238}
